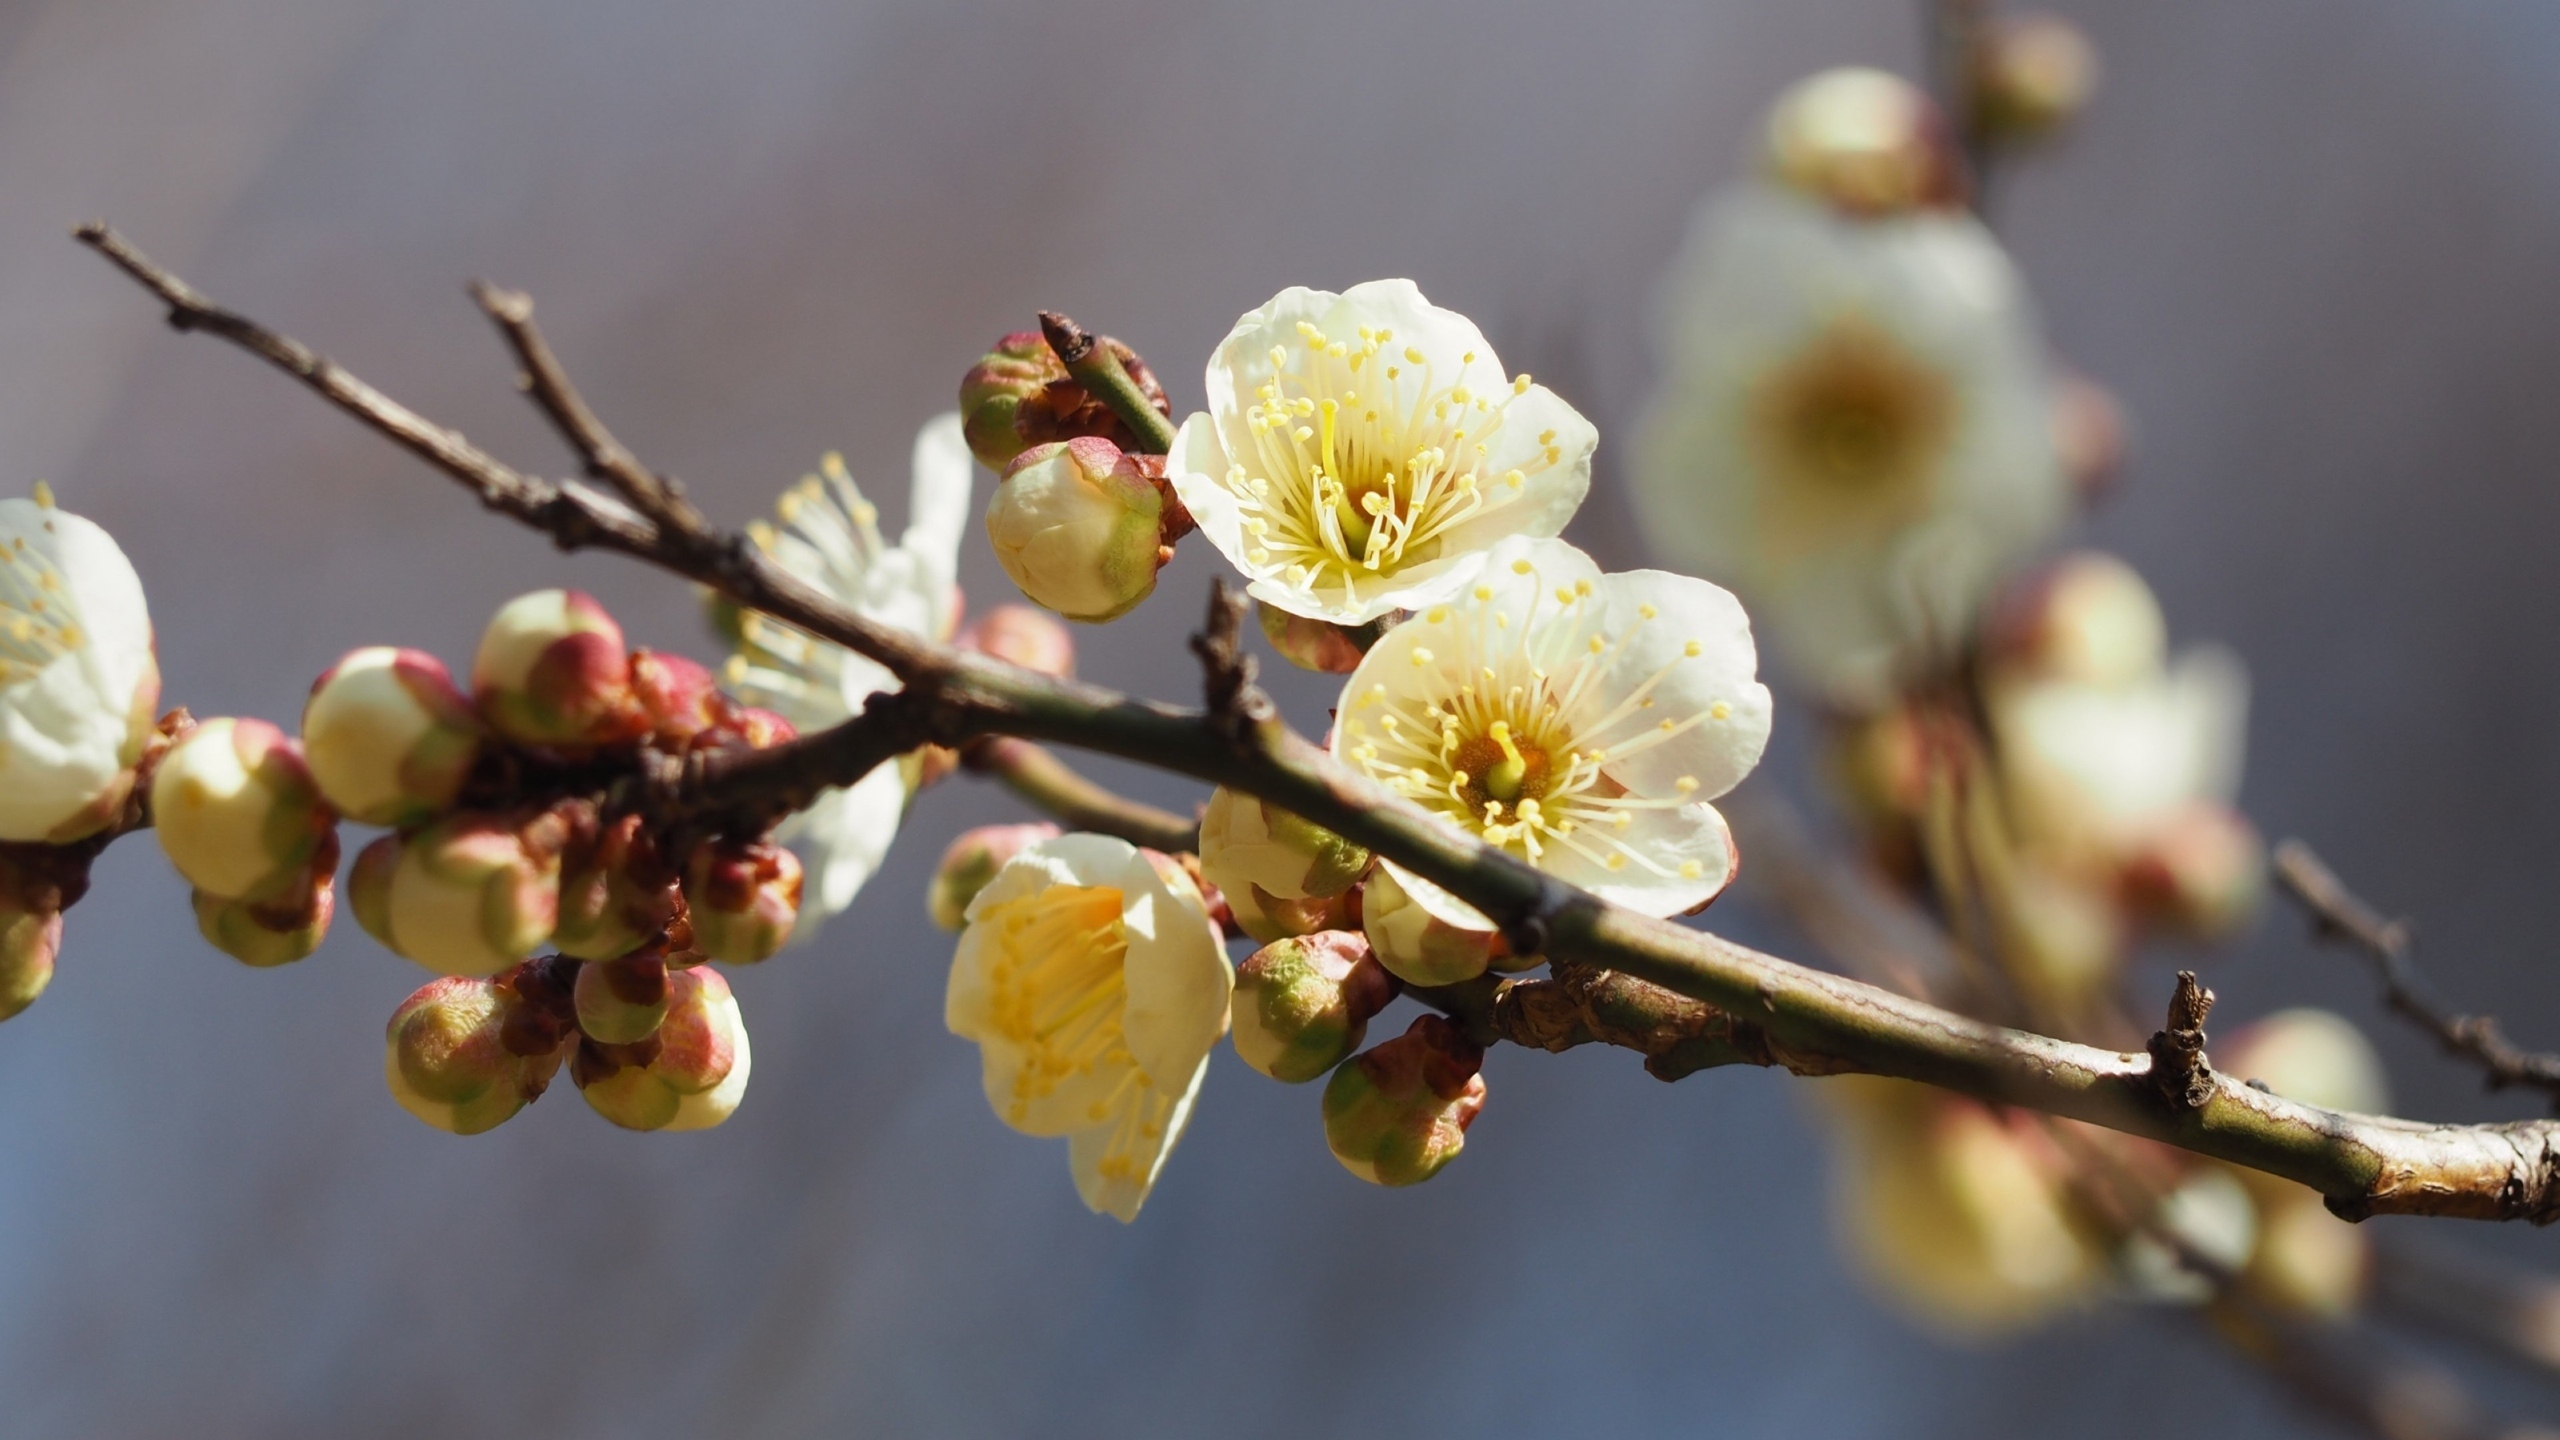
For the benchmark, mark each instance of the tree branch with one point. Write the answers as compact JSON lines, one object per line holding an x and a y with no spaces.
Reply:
{"x":2338,"y":914}
{"x":1808,"y":1021}
{"x":1046,"y":781}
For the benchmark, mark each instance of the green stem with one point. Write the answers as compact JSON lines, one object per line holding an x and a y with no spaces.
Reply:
{"x":1093,"y":365}
{"x":1054,"y":787}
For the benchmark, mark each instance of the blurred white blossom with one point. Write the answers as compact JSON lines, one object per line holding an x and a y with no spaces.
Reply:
{"x":830,"y":537}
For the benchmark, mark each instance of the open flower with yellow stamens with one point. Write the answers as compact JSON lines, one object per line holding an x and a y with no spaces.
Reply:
{"x":830,"y":537}
{"x":78,"y":681}
{"x":1855,"y":428}
{"x":1095,"y":985}
{"x":1362,"y":451}
{"x":1581,"y":721}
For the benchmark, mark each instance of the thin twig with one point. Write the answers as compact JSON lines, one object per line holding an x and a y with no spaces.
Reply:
{"x":2338,"y":914}
{"x":1805,"y":1020}
{"x":1032,"y":772}
{"x":546,"y":381}
{"x":1097,"y":368}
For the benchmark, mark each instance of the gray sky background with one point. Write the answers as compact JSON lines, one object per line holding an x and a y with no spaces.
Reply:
{"x":2310,"y":241}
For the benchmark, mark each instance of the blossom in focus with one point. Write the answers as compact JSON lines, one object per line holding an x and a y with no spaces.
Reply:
{"x":1303,"y":1003}
{"x":389,"y":736}
{"x":447,"y":1059}
{"x":1957,"y":1211}
{"x":79,"y":684}
{"x":829,"y":536}
{"x":1095,"y":986}
{"x":1854,"y":428}
{"x":1362,"y":451}
{"x":1578,"y":720}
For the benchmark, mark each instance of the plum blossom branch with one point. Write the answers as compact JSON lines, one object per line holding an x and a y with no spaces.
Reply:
{"x":1808,"y":1021}
{"x":1049,"y":783}
{"x":2337,"y":913}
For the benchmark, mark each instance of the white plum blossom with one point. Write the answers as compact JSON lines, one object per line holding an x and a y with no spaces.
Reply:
{"x":2094,"y":768}
{"x":1095,"y":986}
{"x":830,"y":537}
{"x":1581,"y":721}
{"x":1855,"y":427}
{"x":79,"y":683}
{"x":1362,"y":451}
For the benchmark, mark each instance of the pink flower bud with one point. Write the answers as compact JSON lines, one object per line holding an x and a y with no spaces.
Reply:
{"x":1311,"y":644}
{"x":2086,"y":618}
{"x":1395,"y":1115}
{"x":689,"y":1075}
{"x":1864,"y":141}
{"x":971,"y":862}
{"x":1079,"y":526}
{"x":622,"y":1002}
{"x":678,"y":696}
{"x":369,"y":888}
{"x":449,"y":1059}
{"x":1024,"y":636}
{"x":1415,"y":945}
{"x":280,"y":924}
{"x":2199,"y":873}
{"x":1018,"y":395}
{"x":743,"y":899}
{"x":235,"y":808}
{"x":388,"y":737}
{"x":1301,"y":1005}
{"x":551,"y":670}
{"x":470,"y":895}
{"x":615,"y":895}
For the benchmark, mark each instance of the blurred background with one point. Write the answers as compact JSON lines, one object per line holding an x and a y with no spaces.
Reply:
{"x":2308,"y":242}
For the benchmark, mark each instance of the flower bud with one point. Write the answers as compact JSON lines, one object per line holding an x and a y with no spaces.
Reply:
{"x":2087,"y":618}
{"x":1019,"y":395}
{"x":743,"y":898}
{"x":1312,"y":644}
{"x":2311,"y":1056}
{"x":622,"y":1002}
{"x":1079,"y":526}
{"x":1267,"y":917}
{"x":971,"y":862}
{"x":369,"y":888}
{"x":1301,"y":1005}
{"x":1415,"y":945}
{"x":2200,"y":872}
{"x":1021,"y":635}
{"x":1863,"y":141}
{"x":2031,"y":74}
{"x":614,"y":894}
{"x":30,"y":936}
{"x":469,"y":895}
{"x":2089,"y":432}
{"x":1395,"y":1115}
{"x":448,"y":1059}
{"x":235,"y":807}
{"x":551,"y":670}
{"x":678,"y":696}
{"x":388,"y":736}
{"x":689,"y":1075}
{"x":1245,"y":842}
{"x":1879,"y":763}
{"x":280,"y":924}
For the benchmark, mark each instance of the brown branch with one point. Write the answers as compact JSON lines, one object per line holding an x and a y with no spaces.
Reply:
{"x":1048,"y":782}
{"x":1808,"y":1021}
{"x":2338,"y":914}
{"x":546,"y":382}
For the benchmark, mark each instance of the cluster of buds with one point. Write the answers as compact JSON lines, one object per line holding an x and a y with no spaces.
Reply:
{"x":504,"y":839}
{"x":1078,"y":519}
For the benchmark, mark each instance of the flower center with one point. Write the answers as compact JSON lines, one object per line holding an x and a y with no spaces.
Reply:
{"x":38,"y":623}
{"x":1853,"y":428}
{"x":1363,"y":457}
{"x":1055,"y":992}
{"x":1511,"y":735}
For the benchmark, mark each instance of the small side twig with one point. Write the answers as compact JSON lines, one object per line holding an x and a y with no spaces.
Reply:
{"x":2178,"y":1065}
{"x":1093,"y":366}
{"x":2337,"y":913}
{"x":1237,"y":705}
{"x":1036,"y":774}
{"x":546,"y":382}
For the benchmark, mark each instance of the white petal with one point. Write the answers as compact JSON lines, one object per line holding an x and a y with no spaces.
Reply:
{"x":1652,"y":880}
{"x":938,"y":509}
{"x":1719,"y":682}
{"x":1179,"y":982}
{"x":842,"y":839}
{"x":1119,"y":1195}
